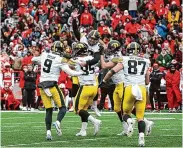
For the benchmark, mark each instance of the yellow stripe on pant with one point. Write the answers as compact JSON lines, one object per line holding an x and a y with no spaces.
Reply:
{"x":57,"y":97}
{"x":84,"y":97}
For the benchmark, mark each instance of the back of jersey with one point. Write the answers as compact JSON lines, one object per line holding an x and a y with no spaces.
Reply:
{"x":89,"y":76}
{"x":50,"y":67}
{"x":135,"y":69}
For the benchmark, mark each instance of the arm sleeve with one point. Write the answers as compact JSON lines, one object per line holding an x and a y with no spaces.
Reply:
{"x":75,"y":29}
{"x":69,"y":71}
{"x":95,"y":60}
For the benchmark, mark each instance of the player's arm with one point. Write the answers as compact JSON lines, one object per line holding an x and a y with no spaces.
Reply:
{"x":111,"y":72}
{"x":75,"y":29}
{"x":69,"y":71}
{"x":104,"y":64}
{"x":95,"y":60}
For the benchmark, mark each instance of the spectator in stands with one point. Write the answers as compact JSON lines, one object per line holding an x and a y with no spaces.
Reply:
{"x":172,"y":88}
{"x":132,"y":8}
{"x":8,"y":100}
{"x":27,"y":59}
{"x":155,"y":79}
{"x":29,"y":86}
{"x":86,"y":18}
{"x":164,"y":59}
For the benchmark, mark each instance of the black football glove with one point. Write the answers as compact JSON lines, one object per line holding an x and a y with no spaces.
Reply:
{"x":101,"y":49}
{"x":101,"y":83}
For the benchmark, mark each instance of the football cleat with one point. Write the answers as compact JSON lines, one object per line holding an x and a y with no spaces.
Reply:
{"x":97,"y":124}
{"x":48,"y":137}
{"x":58,"y":129}
{"x":123,"y":133}
{"x":24,"y":108}
{"x":125,"y":128}
{"x":141,"y":140}
{"x":81,"y":133}
{"x":148,"y":129}
{"x":131,"y":124}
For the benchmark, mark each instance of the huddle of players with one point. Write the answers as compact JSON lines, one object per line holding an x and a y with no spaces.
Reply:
{"x":129,"y":73}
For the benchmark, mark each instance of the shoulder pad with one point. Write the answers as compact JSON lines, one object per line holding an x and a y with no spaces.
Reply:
{"x":64,"y":60}
{"x":117,"y":60}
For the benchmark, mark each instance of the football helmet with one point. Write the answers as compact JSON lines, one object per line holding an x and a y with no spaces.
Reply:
{"x":58,"y":47}
{"x":93,"y":37}
{"x":80,"y":49}
{"x":133,"y":48}
{"x":113,"y":47}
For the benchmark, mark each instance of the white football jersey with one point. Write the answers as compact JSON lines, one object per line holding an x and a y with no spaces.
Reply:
{"x":119,"y":76}
{"x":94,"y":48}
{"x":50,"y":66}
{"x":89,"y":75}
{"x":135,"y":69}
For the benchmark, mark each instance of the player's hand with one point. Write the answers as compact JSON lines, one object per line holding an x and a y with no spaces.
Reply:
{"x":101,"y":50}
{"x":102,"y":83}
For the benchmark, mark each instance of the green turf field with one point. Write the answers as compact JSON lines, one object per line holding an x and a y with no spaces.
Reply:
{"x":27,"y":129}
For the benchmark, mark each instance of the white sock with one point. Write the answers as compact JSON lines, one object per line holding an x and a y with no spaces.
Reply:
{"x":48,"y":132}
{"x":84,"y":126}
{"x":125,"y":126}
{"x":129,"y":120}
{"x":92,"y":119}
{"x":58,"y":123}
{"x":141,"y":134}
{"x":145,"y":120}
{"x":94,"y":105}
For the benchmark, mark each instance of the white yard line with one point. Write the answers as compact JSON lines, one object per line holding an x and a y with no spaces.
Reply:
{"x":92,"y":139}
{"x":147,"y":113}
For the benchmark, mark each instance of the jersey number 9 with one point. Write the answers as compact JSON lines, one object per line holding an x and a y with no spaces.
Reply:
{"x":47,"y":65}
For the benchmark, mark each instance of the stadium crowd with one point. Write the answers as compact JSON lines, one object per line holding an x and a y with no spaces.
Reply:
{"x":29,"y":26}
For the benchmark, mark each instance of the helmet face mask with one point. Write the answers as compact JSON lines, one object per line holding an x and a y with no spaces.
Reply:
{"x":58,"y":48}
{"x":113,"y":47}
{"x":80,"y":49}
{"x":93,"y":37}
{"x":92,"y":41}
{"x":133,"y":49}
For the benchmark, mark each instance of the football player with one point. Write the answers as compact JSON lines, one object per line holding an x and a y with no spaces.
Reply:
{"x":136,"y":77}
{"x":94,"y":43}
{"x":52,"y":63}
{"x":113,"y":53}
{"x":87,"y":90}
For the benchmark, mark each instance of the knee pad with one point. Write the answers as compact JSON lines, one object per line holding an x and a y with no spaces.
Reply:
{"x":84,"y":115}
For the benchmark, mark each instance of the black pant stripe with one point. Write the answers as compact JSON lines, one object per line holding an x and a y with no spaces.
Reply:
{"x":61,"y":95}
{"x":77,"y":98}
